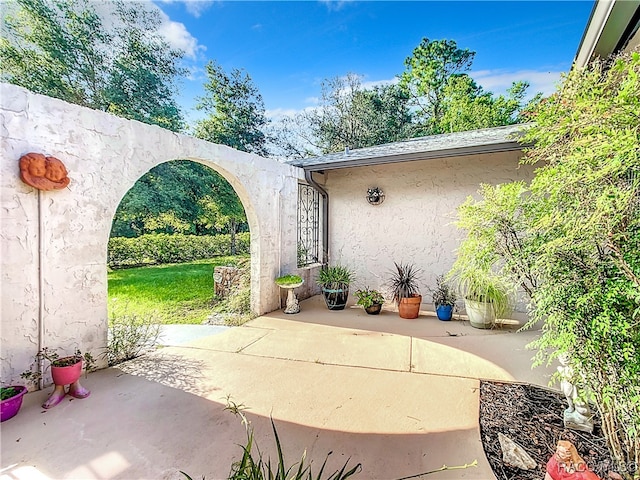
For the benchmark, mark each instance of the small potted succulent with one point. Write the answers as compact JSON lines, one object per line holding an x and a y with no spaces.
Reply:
{"x":11,"y":401}
{"x":444,"y":299}
{"x":404,"y":285}
{"x":64,"y":371}
{"x":371,"y":300}
{"x":334,"y":281}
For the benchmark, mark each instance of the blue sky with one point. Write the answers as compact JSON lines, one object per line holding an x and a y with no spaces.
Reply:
{"x":289,"y":48}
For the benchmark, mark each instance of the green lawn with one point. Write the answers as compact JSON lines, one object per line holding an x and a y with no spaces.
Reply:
{"x":175,"y":293}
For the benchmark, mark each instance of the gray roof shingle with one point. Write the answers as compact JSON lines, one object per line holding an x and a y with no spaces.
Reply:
{"x":487,"y":140}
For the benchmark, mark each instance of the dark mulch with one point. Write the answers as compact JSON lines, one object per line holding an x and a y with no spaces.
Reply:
{"x":532,"y":417}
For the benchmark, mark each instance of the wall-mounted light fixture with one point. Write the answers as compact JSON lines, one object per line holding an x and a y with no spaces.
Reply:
{"x":375,"y":196}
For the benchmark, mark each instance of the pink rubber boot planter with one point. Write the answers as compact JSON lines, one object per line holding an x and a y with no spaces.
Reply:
{"x":62,"y":376}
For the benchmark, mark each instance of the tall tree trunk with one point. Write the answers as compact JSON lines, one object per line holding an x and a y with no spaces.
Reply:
{"x":232,"y":233}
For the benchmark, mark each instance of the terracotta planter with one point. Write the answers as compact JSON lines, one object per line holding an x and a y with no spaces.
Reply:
{"x":409,"y":307}
{"x":66,"y":375}
{"x":374,"y":309}
{"x":9,"y":408}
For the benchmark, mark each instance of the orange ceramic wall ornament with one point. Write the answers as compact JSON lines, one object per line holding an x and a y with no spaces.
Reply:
{"x":43,"y":173}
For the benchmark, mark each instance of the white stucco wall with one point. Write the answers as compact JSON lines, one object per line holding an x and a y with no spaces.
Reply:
{"x":414,"y":223}
{"x":59,"y":298}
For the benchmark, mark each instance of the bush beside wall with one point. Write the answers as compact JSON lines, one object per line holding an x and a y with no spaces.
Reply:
{"x":163,"y":248}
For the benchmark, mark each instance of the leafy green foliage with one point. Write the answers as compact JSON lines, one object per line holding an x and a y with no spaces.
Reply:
{"x":50,"y":355}
{"x":335,"y":277}
{"x":179,"y":196}
{"x":252,"y":466}
{"x":571,"y":239}
{"x":367,"y":297}
{"x":348,"y":115}
{"x":115,"y":62}
{"x":288,"y":280}
{"x":428,"y":70}
{"x":443,"y":294}
{"x":181,"y":293}
{"x":447,"y":99}
{"x":162,"y":248}
{"x":236,"y":111}
{"x":8,"y":392}
{"x":130,"y":335}
{"x":354,"y":117}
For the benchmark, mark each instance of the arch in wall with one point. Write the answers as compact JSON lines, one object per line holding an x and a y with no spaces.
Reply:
{"x":54,"y":244}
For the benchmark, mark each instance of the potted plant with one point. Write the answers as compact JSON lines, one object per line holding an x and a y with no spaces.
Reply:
{"x":290,"y":282}
{"x":444,"y":298}
{"x":371,"y":300}
{"x":334,"y":281}
{"x":486,"y":297}
{"x":11,"y":401}
{"x":64,"y":371}
{"x":404,"y":285}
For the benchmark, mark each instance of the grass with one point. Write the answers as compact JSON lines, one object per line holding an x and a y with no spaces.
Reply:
{"x":176,"y":293}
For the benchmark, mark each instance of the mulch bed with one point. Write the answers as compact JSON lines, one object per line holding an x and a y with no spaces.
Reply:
{"x":532,"y":417}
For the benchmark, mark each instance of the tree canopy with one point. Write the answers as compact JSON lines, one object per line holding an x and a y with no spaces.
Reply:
{"x":236,"y":115}
{"x":115,"y":62}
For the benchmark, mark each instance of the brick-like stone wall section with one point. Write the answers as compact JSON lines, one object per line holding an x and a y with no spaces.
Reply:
{"x":54,"y":244}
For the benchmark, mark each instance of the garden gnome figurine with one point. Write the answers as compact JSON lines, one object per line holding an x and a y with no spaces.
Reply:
{"x":578,"y":416}
{"x":566,"y":464}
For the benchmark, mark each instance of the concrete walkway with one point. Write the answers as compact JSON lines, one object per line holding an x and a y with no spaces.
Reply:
{"x":399,"y":396}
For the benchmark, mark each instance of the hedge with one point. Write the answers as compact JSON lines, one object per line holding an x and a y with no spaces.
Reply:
{"x":164,"y":248}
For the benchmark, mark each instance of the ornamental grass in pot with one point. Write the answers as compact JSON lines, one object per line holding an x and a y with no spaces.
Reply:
{"x":335,"y":281}
{"x":404,"y":286}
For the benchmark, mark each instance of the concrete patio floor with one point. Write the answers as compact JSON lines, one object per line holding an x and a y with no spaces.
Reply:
{"x":399,"y":396}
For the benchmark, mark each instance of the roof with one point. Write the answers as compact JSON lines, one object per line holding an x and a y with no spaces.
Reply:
{"x":613,"y":26}
{"x":474,"y":142}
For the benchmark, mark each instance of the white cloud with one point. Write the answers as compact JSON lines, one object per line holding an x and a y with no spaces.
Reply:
{"x":194,"y":7}
{"x":378,"y":83}
{"x":498,"y":81}
{"x":335,"y":5}
{"x":179,"y":37}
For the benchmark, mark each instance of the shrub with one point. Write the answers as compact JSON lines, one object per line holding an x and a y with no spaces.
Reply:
{"x":130,"y":335}
{"x":163,"y":248}
{"x":571,"y":239}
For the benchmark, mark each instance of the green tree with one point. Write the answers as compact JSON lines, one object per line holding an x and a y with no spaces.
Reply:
{"x":236,"y":115}
{"x":448,"y":100}
{"x":575,"y":239}
{"x":466,"y":106}
{"x":223,"y":210}
{"x":427,"y":73}
{"x":171,"y":198}
{"x":348,"y":115}
{"x":354,"y":117}
{"x":116,"y":63}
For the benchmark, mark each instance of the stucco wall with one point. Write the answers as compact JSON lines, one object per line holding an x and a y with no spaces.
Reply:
{"x":414,"y":223}
{"x":54,"y":244}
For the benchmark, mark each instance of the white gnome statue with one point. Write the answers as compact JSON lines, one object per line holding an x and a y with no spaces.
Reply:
{"x":578,"y":416}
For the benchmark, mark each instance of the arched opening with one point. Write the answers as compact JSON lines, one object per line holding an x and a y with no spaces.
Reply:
{"x":178,"y":253}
